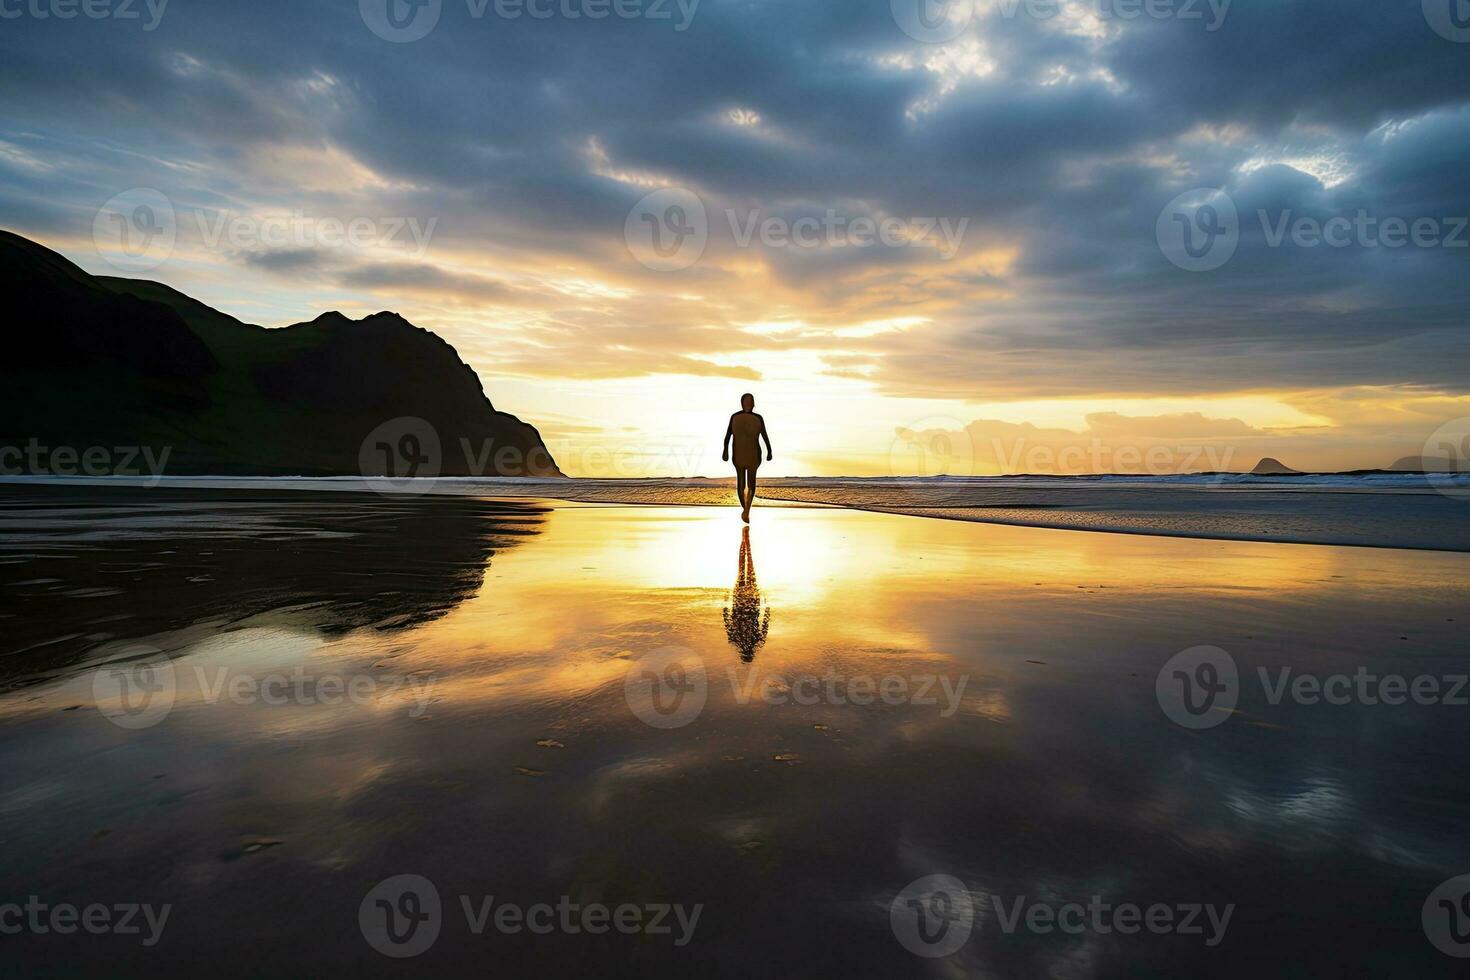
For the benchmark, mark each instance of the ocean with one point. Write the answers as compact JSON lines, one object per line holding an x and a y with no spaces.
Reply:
{"x":1384,"y":510}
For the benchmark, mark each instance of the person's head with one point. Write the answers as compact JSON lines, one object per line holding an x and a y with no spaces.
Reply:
{"x":747,"y":402}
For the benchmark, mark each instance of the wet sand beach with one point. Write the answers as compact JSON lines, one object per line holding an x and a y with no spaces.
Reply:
{"x":770,"y":736}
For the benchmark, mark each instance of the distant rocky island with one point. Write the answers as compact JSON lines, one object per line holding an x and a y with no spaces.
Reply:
{"x":1270,"y":466}
{"x":1273,"y":467}
{"x":101,"y":369}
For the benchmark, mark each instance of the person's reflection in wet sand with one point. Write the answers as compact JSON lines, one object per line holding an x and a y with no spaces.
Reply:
{"x":746,"y":623}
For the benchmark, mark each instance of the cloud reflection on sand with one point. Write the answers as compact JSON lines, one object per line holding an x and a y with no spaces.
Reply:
{"x":1057,"y":774}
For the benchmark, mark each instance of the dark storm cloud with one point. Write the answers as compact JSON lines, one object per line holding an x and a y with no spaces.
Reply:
{"x":1276,"y":62}
{"x":536,"y":136}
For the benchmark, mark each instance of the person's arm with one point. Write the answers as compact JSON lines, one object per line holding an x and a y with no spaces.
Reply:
{"x":729,"y":434}
{"x":767,"y":437}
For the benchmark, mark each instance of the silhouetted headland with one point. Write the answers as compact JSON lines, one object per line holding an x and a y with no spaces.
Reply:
{"x":99,"y":361}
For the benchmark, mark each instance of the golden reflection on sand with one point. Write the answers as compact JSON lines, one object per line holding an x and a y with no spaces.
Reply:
{"x":560,"y":619}
{"x":563,"y":616}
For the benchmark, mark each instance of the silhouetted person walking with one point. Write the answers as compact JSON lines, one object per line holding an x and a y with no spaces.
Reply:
{"x":747,"y":429}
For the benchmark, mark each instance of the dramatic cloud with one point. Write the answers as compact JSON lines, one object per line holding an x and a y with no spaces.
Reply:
{"x":989,"y":219}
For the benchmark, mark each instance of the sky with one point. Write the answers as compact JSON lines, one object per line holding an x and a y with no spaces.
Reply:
{"x":1000,"y":236}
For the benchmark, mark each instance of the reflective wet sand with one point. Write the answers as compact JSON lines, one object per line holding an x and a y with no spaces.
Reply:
{"x":624,"y":704}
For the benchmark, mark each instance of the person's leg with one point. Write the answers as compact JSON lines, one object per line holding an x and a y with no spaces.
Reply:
{"x":740,"y":486}
{"x":751,"y":483}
